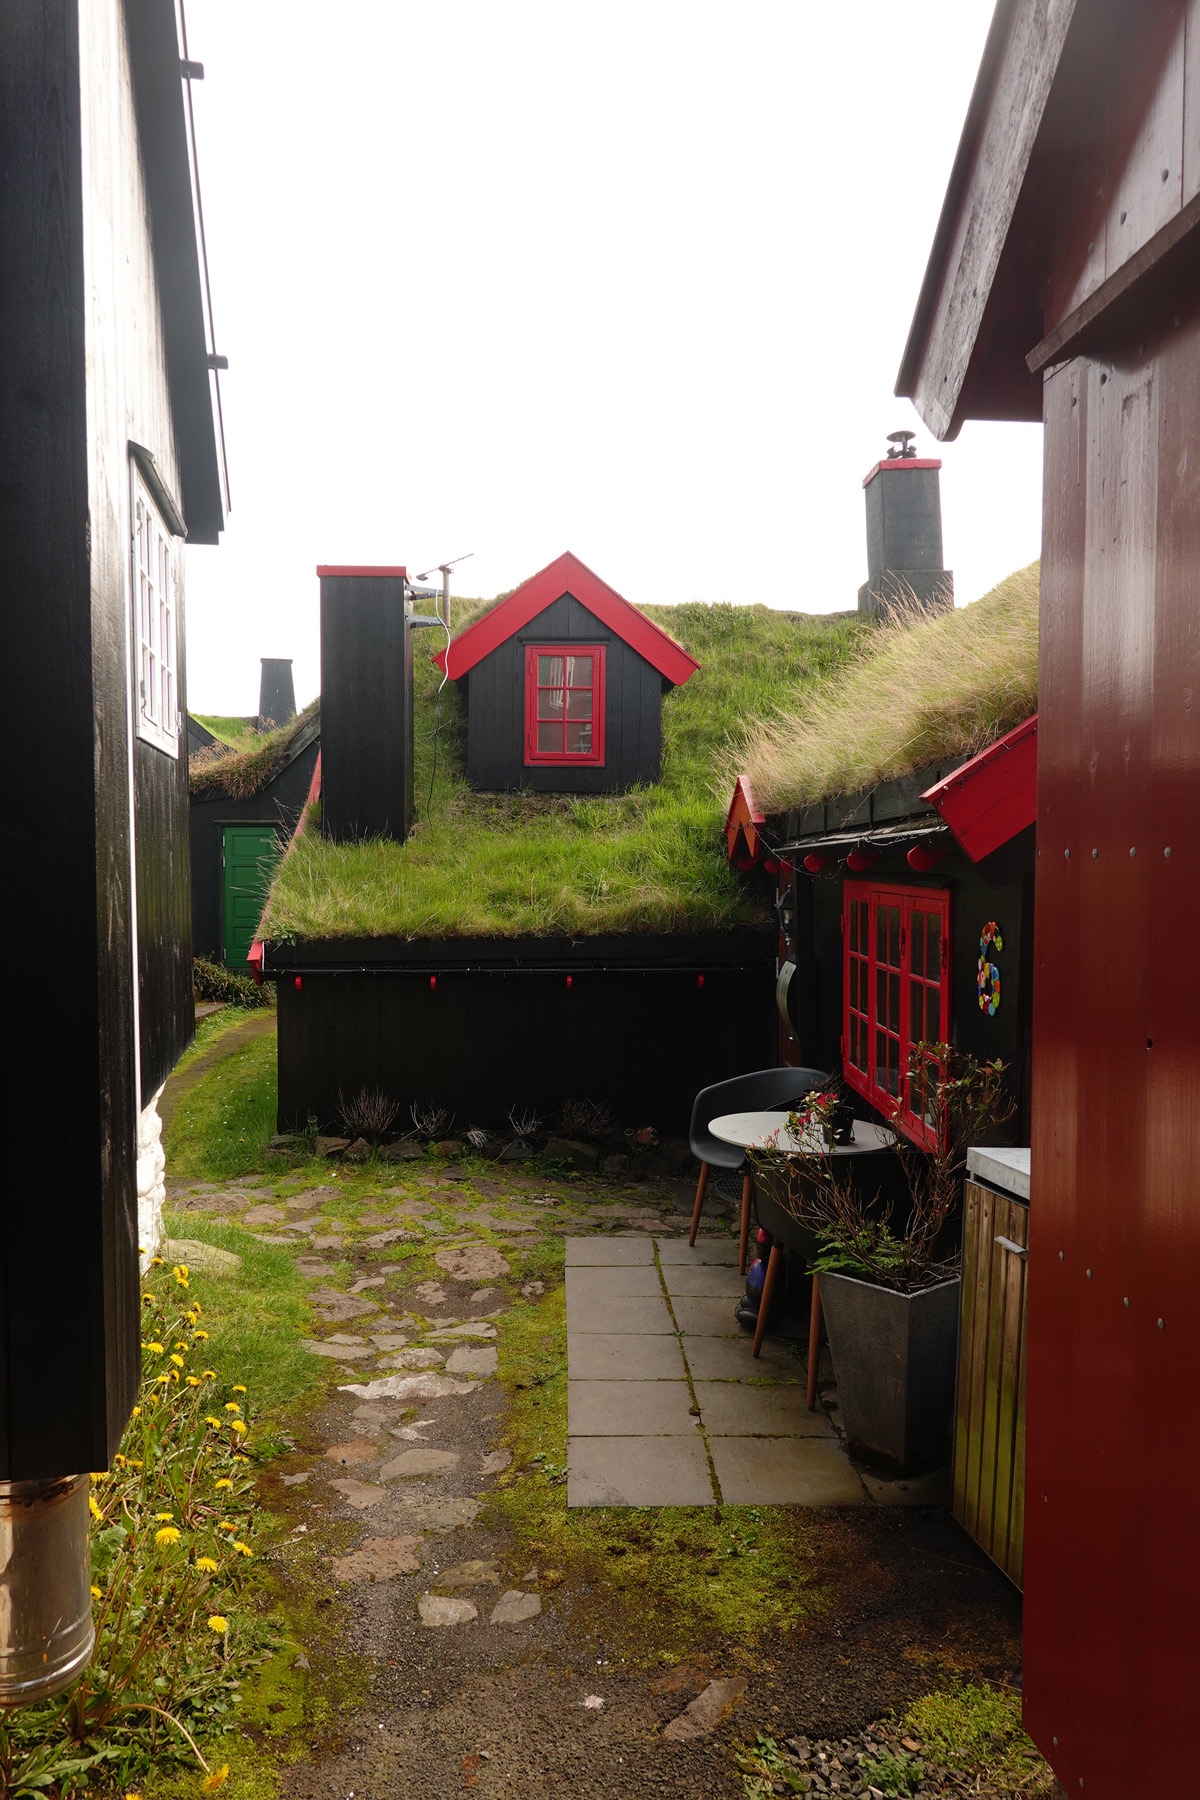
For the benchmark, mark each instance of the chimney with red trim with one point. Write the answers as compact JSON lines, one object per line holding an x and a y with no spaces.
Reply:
{"x":366,"y":704}
{"x":904,"y":532}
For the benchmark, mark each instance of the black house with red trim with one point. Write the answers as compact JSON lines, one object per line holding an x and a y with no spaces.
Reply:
{"x":563,"y":682}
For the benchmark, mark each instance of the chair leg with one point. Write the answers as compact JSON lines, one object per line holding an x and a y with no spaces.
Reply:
{"x":747,"y":1189}
{"x":814,"y":1344}
{"x":700,"y":1187}
{"x":768,"y":1294}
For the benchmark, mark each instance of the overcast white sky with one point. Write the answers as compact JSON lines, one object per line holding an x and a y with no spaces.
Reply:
{"x":631,"y":280}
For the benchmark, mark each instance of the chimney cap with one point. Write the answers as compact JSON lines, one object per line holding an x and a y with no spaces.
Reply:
{"x":367,"y":569}
{"x":903,"y":442}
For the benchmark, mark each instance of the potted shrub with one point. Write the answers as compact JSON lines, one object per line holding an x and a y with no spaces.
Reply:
{"x":890,"y":1292}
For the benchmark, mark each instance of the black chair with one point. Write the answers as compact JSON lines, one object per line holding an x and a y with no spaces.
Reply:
{"x":765,"y":1090}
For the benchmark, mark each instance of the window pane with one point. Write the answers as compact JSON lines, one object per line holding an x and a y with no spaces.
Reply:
{"x":550,"y":738}
{"x":916,"y":944}
{"x":894,"y":936}
{"x":881,"y":935}
{"x":579,"y":703}
{"x":550,"y":703}
{"x":854,"y":984}
{"x":893,"y":1003}
{"x":550,"y":671}
{"x":893,"y":1067}
{"x":933,"y":947}
{"x":933,"y":1012}
{"x":579,"y":739}
{"x":881,"y":996}
{"x":579,"y":671}
{"x":854,"y":925}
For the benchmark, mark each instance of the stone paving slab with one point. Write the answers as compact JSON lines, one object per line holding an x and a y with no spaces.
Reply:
{"x":636,"y":1317}
{"x":705,"y":1283}
{"x":706,"y":1318}
{"x":755,"y":1471}
{"x":630,"y":1409}
{"x":638,"y":1471}
{"x":933,"y":1489}
{"x":608,"y":1252}
{"x":600,"y":1356}
{"x":741,"y":1409}
{"x":706,"y":1252}
{"x":618,"y":1284}
{"x":729,"y":1359}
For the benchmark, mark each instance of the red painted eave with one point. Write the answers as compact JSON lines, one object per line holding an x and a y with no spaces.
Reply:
{"x":567,"y":575}
{"x":988,"y":800}
{"x":743,"y":822}
{"x":905,"y":462}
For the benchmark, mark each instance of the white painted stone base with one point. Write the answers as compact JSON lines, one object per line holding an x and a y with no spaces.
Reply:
{"x":151,"y":1188}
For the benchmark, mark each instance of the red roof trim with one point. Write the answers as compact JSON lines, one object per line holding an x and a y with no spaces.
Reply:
{"x":986,"y":801}
{"x":567,"y":575}
{"x":324,"y":569}
{"x":743,"y":822}
{"x":257,"y":948}
{"x":902,"y":462}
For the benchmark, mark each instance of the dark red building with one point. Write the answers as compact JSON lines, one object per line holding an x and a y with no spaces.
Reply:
{"x":1062,"y":287}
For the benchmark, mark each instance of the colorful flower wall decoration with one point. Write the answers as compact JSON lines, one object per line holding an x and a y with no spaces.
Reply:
{"x":988,"y":977}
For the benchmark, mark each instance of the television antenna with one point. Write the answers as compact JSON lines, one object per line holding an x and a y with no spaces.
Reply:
{"x":443,"y":569}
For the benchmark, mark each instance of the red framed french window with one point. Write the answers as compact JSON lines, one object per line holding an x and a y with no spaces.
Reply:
{"x":897,"y":992}
{"x":564,"y":703}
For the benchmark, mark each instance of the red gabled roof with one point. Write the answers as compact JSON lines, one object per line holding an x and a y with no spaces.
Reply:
{"x":986,"y":801}
{"x":567,"y":575}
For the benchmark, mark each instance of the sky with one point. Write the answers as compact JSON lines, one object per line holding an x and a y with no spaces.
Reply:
{"x":632,"y":280}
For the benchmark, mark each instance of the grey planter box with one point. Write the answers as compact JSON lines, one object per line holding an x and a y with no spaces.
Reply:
{"x":894,"y":1356}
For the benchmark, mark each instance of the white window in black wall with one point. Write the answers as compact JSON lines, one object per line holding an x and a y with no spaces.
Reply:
{"x":156,"y":583}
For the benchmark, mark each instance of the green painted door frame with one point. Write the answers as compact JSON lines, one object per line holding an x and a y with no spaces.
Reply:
{"x":249,"y":854}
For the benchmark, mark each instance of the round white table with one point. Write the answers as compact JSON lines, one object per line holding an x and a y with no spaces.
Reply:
{"x":769,"y":1131}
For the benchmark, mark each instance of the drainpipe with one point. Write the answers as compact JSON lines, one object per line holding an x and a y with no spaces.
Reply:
{"x":46,"y":1629}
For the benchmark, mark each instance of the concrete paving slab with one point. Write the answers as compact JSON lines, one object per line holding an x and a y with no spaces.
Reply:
{"x":608,"y":1252}
{"x":742,"y":1409}
{"x":638,"y":1471}
{"x":619,"y":1283}
{"x":933,"y":1489}
{"x":783,"y":1472}
{"x":630,"y":1409}
{"x":704,"y":1253}
{"x":706,"y":1283}
{"x":619,"y":1357}
{"x":729,"y":1359}
{"x":639,"y":1316}
{"x":706,"y":1318}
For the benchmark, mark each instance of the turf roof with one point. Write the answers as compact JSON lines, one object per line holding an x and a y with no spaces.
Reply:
{"x":245,"y":768}
{"x":507,"y":865}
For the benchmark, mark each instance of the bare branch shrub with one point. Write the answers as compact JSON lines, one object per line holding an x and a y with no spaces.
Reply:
{"x":432,"y":1122}
{"x":369,"y":1114}
{"x":584,"y":1118}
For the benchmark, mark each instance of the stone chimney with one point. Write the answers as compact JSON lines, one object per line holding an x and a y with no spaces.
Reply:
{"x":276,"y":693}
{"x":904,"y":532}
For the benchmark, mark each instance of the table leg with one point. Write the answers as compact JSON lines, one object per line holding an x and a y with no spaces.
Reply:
{"x":700,"y":1187}
{"x":768,"y":1294}
{"x":747,"y":1187}
{"x":814,"y":1344}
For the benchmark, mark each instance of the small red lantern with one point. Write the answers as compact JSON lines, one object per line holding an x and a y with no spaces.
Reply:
{"x":569,"y":980}
{"x":432,"y":982}
{"x":298,"y":984}
{"x":700,"y":982}
{"x":814,"y":863}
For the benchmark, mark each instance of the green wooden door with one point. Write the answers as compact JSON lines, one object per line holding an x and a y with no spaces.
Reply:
{"x":249,"y":855}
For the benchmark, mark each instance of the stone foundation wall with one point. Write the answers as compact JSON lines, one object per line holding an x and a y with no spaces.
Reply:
{"x":151,"y":1188}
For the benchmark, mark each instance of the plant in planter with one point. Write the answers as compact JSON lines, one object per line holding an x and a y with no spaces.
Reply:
{"x":890,"y":1292}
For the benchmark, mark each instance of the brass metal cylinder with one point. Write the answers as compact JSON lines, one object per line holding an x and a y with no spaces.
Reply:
{"x":46,"y":1630}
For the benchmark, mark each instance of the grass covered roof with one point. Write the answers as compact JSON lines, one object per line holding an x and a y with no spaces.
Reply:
{"x":507,"y":865}
{"x":918,"y":689}
{"x":250,"y":761}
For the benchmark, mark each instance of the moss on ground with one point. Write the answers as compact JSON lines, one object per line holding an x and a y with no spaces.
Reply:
{"x":977,"y":1731}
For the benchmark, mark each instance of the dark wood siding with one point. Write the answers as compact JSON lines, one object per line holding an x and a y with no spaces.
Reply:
{"x":166,"y":1018}
{"x":496,"y":711}
{"x":279,"y":804}
{"x":642,"y":1038}
{"x":366,"y":708}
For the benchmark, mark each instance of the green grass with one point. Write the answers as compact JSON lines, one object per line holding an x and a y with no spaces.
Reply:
{"x":978,"y":1730}
{"x":246,"y":767}
{"x":503,"y":865}
{"x":239,"y":734}
{"x":222,"y":1127}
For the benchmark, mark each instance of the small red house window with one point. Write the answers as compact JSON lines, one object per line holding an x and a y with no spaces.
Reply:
{"x":897,"y":992}
{"x":564,"y":703}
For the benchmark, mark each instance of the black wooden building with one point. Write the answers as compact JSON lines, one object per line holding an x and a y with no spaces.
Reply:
{"x":109,"y":457}
{"x":563,"y":681}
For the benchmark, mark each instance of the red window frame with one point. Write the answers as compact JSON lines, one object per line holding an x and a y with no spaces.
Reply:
{"x":895,"y":991}
{"x":594,"y":755}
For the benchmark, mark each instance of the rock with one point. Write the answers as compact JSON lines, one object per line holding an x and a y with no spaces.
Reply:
{"x":389,"y":1340}
{"x":348,"y":1455}
{"x":472,"y":1262}
{"x":437,"y":1609}
{"x":615,"y":1165}
{"x":419,"y":1357}
{"x":314,"y":1267}
{"x":480,"y":1295}
{"x":205,"y":1257}
{"x":431,"y":1293}
{"x":420,"y":1462}
{"x":447,"y":1147}
{"x":264,"y":1215}
{"x":409,"y":1387}
{"x":359,"y":1151}
{"x":470,"y":1574}
{"x":473,"y":1328}
{"x":341,"y":1352}
{"x":334,"y":1306}
{"x":327,"y":1243}
{"x":331,"y":1146}
{"x":283,"y":1140}
{"x":364,"y":1282}
{"x":404,"y":1151}
{"x":398,"y":1235}
{"x":301,"y":1662}
{"x":533,"y":1290}
{"x":360,"y":1493}
{"x":344,"y":1337}
{"x":454,"y":1173}
{"x":495,"y":1461}
{"x":442,"y":1513}
{"x":379,"y":1559}
{"x":310,"y":1200}
{"x":295,"y":1480}
{"x":571,"y":1152}
{"x":248,"y":1181}
{"x":515,"y":1152}
{"x":592,"y":1702}
{"x":514,"y":1607}
{"x":472,"y":1362}
{"x":707,"y":1710}
{"x":374,"y":1218}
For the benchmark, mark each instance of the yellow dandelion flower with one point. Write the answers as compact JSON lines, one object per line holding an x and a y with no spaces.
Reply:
{"x":240,"y":1426}
{"x":197,"y":1308}
{"x":162,"y":1378}
{"x":136,"y":1412}
{"x":242,"y":1548}
{"x":209,"y":1374}
{"x":147,"y":1299}
{"x":93,"y":1508}
{"x":157,"y":1348}
{"x":136,"y":1463}
{"x":181,"y":1343}
{"x":218,"y":1624}
{"x":177,"y":1360}
{"x":118,"y":1458}
{"x":215,"y":1423}
{"x":199,"y":1334}
{"x":208,"y":1564}
{"x":192,"y":1380}
{"x":226,"y":1525}
{"x":224,"y":1482}
{"x":169,"y":1534}
{"x":238,"y":1457}
{"x":99,"y":1474}
{"x":96,"y":1595}
{"x":218,"y":1777}
{"x":165,"y":1518}
{"x":239,"y":1389}
{"x":133,"y":1797}
{"x":232,"y":1406}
